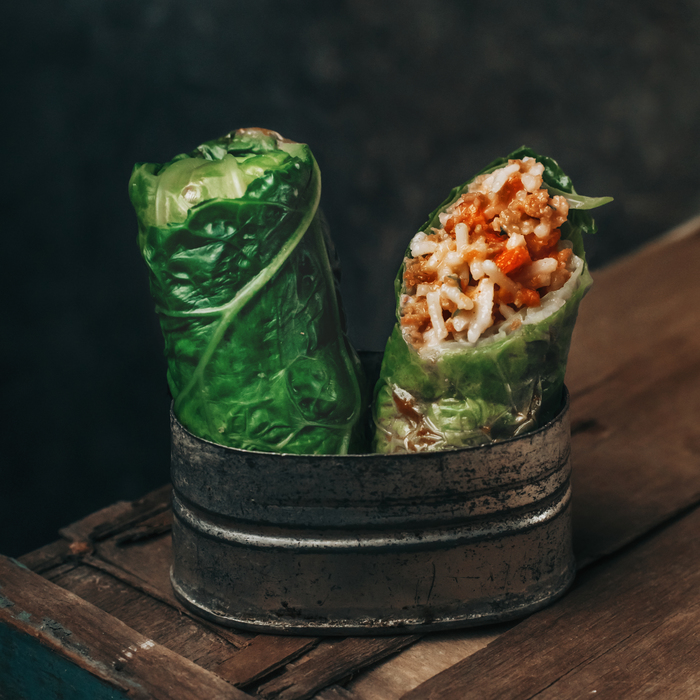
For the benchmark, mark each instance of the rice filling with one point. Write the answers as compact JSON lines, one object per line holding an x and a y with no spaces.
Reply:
{"x":496,"y":262}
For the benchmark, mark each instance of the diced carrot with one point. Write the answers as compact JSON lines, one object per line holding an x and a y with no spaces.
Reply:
{"x":527,"y":297}
{"x":503,"y":296}
{"x":563,"y":256}
{"x":493,"y":237}
{"x":512,"y":258}
{"x":508,"y":191}
{"x":542,"y":247}
{"x":470,"y":212}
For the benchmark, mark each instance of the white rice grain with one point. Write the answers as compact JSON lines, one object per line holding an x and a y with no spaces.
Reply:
{"x":423,"y":290}
{"x":435,"y":311}
{"x":542,"y":230}
{"x":506,"y":311}
{"x":502,"y":280}
{"x":483,"y":304}
{"x":515,"y":241}
{"x":461,"y":236}
{"x":436,"y":259}
{"x":454,"y":260}
{"x":476,"y":268}
{"x":455,"y":295}
{"x":462,"y":320}
{"x":500,"y":177}
{"x":420,"y":246}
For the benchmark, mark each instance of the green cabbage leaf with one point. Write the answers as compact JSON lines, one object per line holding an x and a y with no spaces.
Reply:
{"x":238,"y":259}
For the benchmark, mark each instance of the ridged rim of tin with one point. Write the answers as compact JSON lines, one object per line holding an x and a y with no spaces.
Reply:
{"x":399,"y":456}
{"x":314,"y":540}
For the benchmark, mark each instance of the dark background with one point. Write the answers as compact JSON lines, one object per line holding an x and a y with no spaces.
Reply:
{"x":399,"y":100}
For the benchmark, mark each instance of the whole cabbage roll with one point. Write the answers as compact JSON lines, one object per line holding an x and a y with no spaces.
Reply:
{"x":487,"y":298}
{"x":239,"y":269}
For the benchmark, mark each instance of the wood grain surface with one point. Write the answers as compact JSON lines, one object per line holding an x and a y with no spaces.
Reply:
{"x":148,"y":616}
{"x":424,"y":659}
{"x":631,"y":628}
{"x":263,"y":655}
{"x":101,"y":644}
{"x":634,"y":378}
{"x":332,"y":662}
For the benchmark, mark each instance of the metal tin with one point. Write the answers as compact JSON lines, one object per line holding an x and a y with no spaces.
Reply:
{"x":372,"y":544}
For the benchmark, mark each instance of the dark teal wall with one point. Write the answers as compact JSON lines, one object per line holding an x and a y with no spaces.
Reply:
{"x":400,"y":100}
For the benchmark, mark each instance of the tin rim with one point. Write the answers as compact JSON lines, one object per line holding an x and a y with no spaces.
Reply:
{"x":399,"y":456}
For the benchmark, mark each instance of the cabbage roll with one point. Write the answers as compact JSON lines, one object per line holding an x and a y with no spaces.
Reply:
{"x":487,"y":297}
{"x":239,"y":270}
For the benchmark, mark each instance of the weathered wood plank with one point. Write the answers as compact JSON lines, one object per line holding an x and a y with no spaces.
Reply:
{"x":630,"y":626}
{"x":634,"y":378}
{"x":150,"y":560}
{"x":99,"y":643}
{"x":637,"y":464}
{"x":48,"y":556}
{"x":146,"y":566}
{"x":336,"y":692}
{"x":153,"y":526}
{"x":661,"y":662}
{"x":238,"y":639}
{"x":213,"y":647}
{"x":263,"y":654}
{"x":331,"y":663}
{"x":142,"y":509}
{"x":80,"y":530}
{"x":392,"y":678}
{"x":31,"y":671}
{"x":148,"y":616}
{"x":118,"y":517}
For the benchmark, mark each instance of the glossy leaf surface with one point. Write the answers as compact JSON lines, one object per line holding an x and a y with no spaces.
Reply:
{"x":239,"y":270}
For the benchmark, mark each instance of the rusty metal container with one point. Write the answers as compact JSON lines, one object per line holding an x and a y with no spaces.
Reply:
{"x":372,"y":544}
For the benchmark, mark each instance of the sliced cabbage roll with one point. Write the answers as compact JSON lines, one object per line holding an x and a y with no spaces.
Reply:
{"x":487,"y":298}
